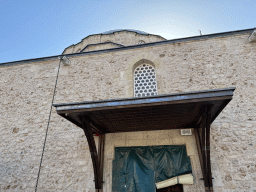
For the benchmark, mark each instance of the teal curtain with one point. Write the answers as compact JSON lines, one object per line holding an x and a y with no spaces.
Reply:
{"x":137,"y":169}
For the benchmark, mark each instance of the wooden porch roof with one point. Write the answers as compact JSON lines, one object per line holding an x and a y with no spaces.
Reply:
{"x":181,"y":110}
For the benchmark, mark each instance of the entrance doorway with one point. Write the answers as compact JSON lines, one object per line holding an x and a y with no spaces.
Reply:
{"x":140,"y":168}
{"x":175,"y":188}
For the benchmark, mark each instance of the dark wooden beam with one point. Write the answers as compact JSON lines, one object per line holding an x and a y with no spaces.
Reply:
{"x":101,"y":156}
{"x":202,"y":136}
{"x":203,"y":126}
{"x":95,"y":127}
{"x":208,"y":160}
{"x":199,"y":148}
{"x":93,"y":150}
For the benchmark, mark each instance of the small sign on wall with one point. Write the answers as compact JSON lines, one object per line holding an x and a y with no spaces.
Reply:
{"x":186,"y":132}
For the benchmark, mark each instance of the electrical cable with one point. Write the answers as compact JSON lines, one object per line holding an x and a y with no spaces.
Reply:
{"x":46,"y":133}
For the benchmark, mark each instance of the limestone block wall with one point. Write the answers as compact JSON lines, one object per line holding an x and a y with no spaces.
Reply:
{"x":26,"y":92}
{"x":150,"y":138}
{"x":25,"y":96}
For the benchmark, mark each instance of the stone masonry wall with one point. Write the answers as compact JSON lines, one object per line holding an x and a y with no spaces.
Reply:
{"x":26,"y":93}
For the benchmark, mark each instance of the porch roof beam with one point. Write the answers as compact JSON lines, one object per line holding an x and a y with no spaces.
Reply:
{"x":97,"y":158}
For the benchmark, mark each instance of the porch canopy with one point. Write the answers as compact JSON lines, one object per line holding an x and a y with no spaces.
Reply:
{"x":196,"y":109}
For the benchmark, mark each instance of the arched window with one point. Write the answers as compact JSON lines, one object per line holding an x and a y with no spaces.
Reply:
{"x":141,"y":42}
{"x":145,"y":81}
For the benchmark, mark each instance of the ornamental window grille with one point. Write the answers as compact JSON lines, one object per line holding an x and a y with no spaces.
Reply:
{"x":145,"y":81}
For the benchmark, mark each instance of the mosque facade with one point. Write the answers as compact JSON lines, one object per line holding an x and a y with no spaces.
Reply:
{"x":125,"y":110}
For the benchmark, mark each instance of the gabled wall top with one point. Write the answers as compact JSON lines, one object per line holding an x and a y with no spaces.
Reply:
{"x":123,"y":37}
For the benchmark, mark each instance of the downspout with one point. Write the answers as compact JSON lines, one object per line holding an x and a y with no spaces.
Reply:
{"x":252,"y":37}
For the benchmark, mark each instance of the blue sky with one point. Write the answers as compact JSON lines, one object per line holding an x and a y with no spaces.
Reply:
{"x":39,"y":28}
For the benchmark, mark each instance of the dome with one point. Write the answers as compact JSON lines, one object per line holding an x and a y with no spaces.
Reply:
{"x":131,"y":30}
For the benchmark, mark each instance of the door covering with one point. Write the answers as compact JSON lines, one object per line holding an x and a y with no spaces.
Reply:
{"x":137,"y":169}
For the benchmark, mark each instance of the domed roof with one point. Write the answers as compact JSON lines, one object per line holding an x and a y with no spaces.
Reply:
{"x":132,"y":30}
{"x":117,"y":37}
